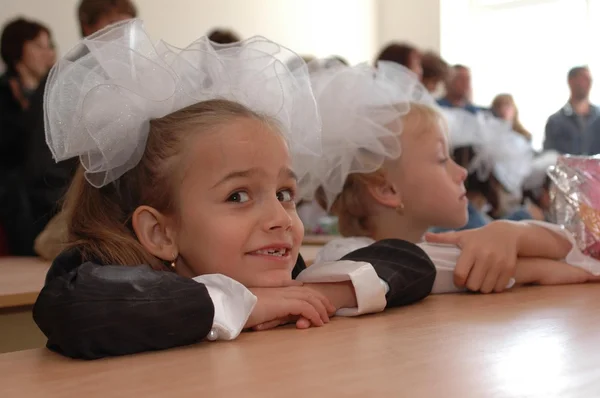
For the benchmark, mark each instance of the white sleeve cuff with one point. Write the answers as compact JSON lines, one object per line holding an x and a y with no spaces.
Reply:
{"x":369,"y":289}
{"x":233,"y":305}
{"x":445,"y":257}
{"x":575,"y":257}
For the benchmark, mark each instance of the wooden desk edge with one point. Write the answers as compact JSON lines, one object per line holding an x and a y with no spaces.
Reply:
{"x":318,"y":240}
{"x":18,"y":300}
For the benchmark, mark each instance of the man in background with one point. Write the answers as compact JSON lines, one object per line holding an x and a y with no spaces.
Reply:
{"x":47,"y":181}
{"x":458,"y":90}
{"x":570,"y":129}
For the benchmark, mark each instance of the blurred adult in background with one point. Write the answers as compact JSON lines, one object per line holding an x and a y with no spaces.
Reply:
{"x":223,"y":36}
{"x":504,"y":107}
{"x":570,"y":129}
{"x":458,"y":90}
{"x":46,"y":180}
{"x":593,"y":139}
{"x":51,"y":54}
{"x":403,"y":54}
{"x":26,"y":52}
{"x":435,"y":71}
{"x":97,"y":14}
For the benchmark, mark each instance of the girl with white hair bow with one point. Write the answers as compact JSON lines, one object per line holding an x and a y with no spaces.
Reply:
{"x":386,"y":173}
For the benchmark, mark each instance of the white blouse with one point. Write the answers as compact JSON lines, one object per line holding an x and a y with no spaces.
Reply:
{"x":445,"y":257}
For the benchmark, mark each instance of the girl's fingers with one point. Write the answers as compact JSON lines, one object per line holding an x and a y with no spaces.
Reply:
{"x":463,"y":268}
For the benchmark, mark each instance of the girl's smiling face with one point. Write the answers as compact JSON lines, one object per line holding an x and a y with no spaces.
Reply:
{"x":236,"y":213}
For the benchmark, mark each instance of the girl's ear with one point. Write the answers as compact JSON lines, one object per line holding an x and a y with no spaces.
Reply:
{"x":155,"y":232}
{"x":385,"y":192}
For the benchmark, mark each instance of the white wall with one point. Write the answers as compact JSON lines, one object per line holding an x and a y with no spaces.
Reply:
{"x":413,"y":21}
{"x":319,"y":27}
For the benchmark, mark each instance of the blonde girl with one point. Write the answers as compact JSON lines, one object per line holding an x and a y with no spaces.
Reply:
{"x":387,"y":173}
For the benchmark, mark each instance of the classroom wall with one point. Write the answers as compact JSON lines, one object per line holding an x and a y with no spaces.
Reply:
{"x":319,"y":27}
{"x":413,"y":21}
{"x":355,"y":29}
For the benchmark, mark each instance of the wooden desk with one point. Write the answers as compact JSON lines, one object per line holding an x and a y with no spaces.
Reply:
{"x":21,"y":279}
{"x":532,"y":342}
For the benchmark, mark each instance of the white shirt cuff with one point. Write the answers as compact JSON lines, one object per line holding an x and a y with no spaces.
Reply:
{"x":575,"y":257}
{"x":233,"y":305}
{"x":369,"y":289}
{"x":444,"y":258}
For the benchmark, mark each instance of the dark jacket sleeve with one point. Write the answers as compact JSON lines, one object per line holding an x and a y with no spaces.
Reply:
{"x":406,"y":268}
{"x":92,"y":311}
{"x":95,"y":311}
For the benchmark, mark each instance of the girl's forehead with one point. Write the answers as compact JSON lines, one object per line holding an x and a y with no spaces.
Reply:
{"x":238,"y":145}
{"x":425,"y":132}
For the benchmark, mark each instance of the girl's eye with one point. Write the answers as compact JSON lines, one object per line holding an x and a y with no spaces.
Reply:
{"x":444,"y":160}
{"x":239,"y":197}
{"x":285,"y":195}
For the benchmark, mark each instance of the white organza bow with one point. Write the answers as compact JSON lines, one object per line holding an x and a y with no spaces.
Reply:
{"x":361,"y":109}
{"x":539,"y":170}
{"x":101,"y":96}
{"x":499,"y":150}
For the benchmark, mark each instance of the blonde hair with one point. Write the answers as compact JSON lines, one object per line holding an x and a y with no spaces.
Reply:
{"x":99,"y":220}
{"x":506,"y":99}
{"x":354,"y":205}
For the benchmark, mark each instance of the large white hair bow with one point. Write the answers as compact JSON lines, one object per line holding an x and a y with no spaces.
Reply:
{"x":499,"y":151}
{"x":361,"y":109}
{"x":101,"y":96}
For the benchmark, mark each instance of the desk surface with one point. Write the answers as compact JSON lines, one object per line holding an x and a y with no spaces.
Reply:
{"x":21,"y":279}
{"x":532,"y":342}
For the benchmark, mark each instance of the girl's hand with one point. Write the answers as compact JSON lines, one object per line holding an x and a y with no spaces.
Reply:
{"x":542,"y":271}
{"x":340,"y":294}
{"x":489,"y":255}
{"x":280,"y":305}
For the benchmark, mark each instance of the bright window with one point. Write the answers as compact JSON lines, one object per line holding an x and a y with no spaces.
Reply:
{"x":523,"y":47}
